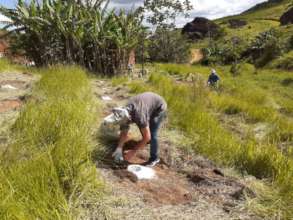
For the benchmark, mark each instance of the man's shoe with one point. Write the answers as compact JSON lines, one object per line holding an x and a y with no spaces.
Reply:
{"x":152,"y":163}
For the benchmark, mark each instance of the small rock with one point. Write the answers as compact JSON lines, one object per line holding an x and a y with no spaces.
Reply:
{"x":218,"y":172}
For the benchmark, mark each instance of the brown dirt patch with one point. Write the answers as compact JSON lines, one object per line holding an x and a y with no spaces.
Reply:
{"x":196,"y":56}
{"x":167,"y":189}
{"x":176,"y":185}
{"x":8,"y":105}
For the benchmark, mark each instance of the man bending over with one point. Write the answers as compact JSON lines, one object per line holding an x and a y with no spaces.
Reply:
{"x":147,"y":111}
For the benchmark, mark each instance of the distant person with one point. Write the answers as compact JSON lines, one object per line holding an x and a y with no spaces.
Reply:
{"x":213,"y":79}
{"x":147,"y":111}
{"x":130,"y":68}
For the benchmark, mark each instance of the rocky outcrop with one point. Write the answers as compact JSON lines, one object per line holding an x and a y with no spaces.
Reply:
{"x":200,"y":28}
{"x":287,"y":17}
{"x":237,"y":23}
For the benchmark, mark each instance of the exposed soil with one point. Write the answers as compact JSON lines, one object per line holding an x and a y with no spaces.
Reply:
{"x":196,"y":56}
{"x":187,"y":186}
{"x":8,"y":105}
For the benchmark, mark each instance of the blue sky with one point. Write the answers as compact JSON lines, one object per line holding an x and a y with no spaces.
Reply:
{"x":8,"y":3}
{"x":202,"y":8}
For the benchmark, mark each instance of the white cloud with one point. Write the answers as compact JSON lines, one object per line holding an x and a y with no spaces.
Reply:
{"x":211,"y":9}
{"x":4,"y":18}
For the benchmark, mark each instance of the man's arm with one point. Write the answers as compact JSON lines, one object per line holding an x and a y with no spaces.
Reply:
{"x":146,"y":137}
{"x":218,"y":78}
{"x":124,"y":137}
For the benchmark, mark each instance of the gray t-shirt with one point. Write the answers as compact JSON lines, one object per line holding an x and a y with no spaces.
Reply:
{"x":143,"y":108}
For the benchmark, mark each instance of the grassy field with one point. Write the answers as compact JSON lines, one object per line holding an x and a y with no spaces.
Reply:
{"x":46,"y":172}
{"x":254,"y":98}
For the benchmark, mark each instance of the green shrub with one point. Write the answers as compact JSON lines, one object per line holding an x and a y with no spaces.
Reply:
{"x":265,"y":47}
{"x":224,"y":53}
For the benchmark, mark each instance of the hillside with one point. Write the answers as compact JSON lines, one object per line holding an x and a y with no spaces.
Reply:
{"x":272,"y":8}
{"x":259,"y":19}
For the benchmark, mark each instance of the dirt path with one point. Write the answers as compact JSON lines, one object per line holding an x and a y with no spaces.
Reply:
{"x":187,"y":186}
{"x":13,"y":90}
{"x":196,"y":56}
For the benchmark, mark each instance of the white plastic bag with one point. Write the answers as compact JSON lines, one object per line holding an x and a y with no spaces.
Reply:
{"x":142,"y":172}
{"x":109,"y":129}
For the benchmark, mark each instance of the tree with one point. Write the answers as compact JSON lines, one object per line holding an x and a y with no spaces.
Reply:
{"x":168,"y":45}
{"x":161,"y":14}
{"x":164,"y":12}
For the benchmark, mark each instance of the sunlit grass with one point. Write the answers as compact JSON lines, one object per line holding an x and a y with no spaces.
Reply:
{"x":46,"y":172}
{"x":192,"y":109}
{"x":7,"y":66}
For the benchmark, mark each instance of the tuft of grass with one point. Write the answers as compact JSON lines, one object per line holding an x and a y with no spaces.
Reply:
{"x":47,"y":172}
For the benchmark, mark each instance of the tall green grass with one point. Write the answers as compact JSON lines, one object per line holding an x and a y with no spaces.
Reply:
{"x":259,"y":96}
{"x":47,"y":173}
{"x":190,"y":110}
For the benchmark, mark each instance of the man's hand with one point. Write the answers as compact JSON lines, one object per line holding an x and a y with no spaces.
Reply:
{"x":118,"y":155}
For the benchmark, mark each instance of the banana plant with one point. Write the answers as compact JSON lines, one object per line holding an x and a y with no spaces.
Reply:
{"x":73,"y":31}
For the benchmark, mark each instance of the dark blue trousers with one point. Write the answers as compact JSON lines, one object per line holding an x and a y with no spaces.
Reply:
{"x":154,"y":129}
